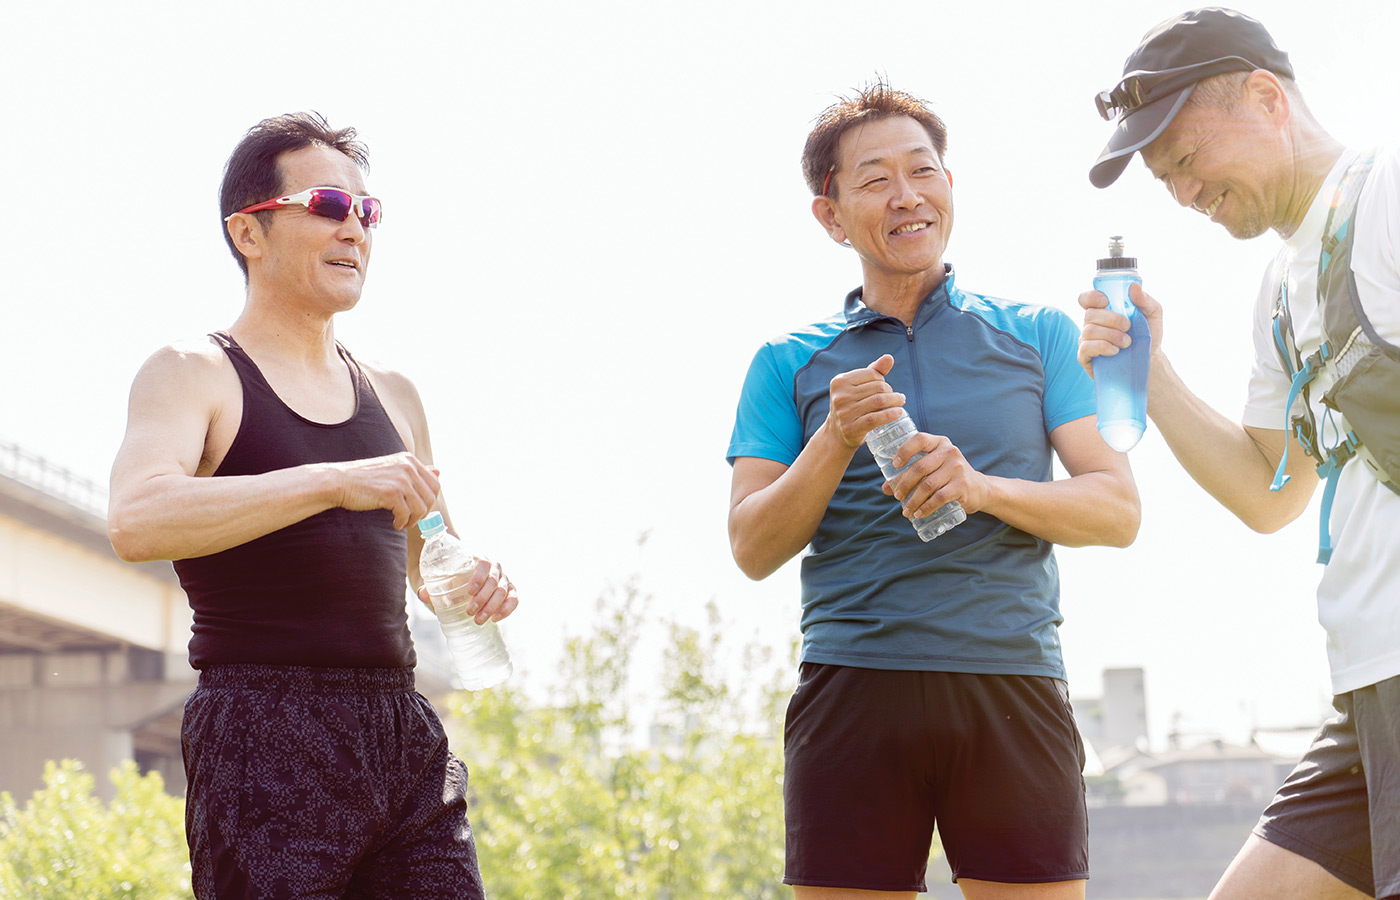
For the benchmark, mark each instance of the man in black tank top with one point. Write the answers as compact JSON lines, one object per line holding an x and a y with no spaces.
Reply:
{"x":283,"y":479}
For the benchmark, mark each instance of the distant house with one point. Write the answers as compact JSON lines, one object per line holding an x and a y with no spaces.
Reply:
{"x":1124,"y":772}
{"x":1216,"y":772}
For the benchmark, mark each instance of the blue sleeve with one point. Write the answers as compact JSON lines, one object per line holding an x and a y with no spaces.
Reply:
{"x":766,"y":424}
{"x":1069,"y":391}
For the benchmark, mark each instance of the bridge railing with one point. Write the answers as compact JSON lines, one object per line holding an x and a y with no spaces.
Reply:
{"x":54,"y":480}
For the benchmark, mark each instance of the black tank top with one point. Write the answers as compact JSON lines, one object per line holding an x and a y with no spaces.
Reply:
{"x":326,"y":591}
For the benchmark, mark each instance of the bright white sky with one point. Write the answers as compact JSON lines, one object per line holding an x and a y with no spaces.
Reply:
{"x":595,"y":214}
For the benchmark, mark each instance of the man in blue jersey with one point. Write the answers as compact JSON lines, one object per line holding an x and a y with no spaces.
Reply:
{"x":932,"y":688}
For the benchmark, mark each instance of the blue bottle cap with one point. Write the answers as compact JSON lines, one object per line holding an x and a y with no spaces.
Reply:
{"x":431,"y":524}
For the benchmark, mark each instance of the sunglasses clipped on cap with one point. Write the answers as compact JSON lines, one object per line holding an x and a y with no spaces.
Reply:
{"x":1141,"y":88}
{"x":327,"y":202}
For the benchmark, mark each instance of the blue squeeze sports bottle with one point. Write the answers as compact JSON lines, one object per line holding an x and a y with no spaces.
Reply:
{"x":1120,"y":381}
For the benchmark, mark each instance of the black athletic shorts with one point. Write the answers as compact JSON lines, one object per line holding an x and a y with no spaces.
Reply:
{"x":874,"y":758}
{"x":1341,"y":806}
{"x":322,"y":783}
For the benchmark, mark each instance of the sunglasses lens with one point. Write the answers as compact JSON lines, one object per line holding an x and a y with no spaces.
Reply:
{"x":1106,"y":107}
{"x":330,"y":203}
{"x":372,"y":211}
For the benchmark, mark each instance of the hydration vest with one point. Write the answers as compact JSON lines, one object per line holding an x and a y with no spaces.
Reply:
{"x":1361,"y":417}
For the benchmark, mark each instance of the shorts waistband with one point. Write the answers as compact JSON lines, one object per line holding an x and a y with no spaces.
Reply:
{"x":307,"y":679}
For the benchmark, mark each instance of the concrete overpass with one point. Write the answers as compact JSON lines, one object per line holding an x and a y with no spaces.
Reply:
{"x":93,"y":659}
{"x":92,"y":649}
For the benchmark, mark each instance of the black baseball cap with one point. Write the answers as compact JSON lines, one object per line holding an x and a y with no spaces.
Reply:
{"x":1161,"y":73}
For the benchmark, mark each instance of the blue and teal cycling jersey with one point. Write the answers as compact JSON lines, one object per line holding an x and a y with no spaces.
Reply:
{"x":996,"y":378}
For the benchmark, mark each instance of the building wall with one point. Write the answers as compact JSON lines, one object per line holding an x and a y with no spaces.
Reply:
{"x":92,"y":651}
{"x":1124,"y":707}
{"x":57,"y":578}
{"x":1159,"y":852}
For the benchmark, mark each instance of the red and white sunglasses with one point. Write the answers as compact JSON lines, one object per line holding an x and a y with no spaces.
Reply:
{"x":327,"y":202}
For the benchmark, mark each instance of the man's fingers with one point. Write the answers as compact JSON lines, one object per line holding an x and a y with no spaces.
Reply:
{"x":1144,"y":301}
{"x":919,"y":442}
{"x":871,"y":377}
{"x":493,"y":595}
{"x":509,"y":606}
{"x":503,"y":601}
{"x":1104,"y":334}
{"x":1094,"y":300}
{"x":1105,"y":318}
{"x":862,"y":381}
{"x":491,"y":609}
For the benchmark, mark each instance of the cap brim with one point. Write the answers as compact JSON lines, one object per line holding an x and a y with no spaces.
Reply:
{"x":1133,"y":132}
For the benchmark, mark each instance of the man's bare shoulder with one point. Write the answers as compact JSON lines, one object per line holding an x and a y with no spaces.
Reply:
{"x":192,"y":367}
{"x":194,"y":356}
{"x":184,"y":411}
{"x":392,"y":385}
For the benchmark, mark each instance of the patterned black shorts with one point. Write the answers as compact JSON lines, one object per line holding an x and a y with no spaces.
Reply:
{"x":323,"y":783}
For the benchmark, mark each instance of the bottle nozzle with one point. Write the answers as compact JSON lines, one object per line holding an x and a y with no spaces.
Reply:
{"x":1115,"y":258}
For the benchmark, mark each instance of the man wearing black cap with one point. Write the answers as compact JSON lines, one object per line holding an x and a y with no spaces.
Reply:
{"x":1209,"y":102}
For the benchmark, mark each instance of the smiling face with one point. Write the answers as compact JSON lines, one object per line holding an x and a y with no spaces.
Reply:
{"x":312,"y":259}
{"x":893,"y":202}
{"x":1227,"y":162}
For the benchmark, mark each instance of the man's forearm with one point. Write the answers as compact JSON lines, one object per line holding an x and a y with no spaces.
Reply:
{"x":772,"y":525}
{"x":176,"y":516}
{"x":1092,"y":508}
{"x":1222,"y":456}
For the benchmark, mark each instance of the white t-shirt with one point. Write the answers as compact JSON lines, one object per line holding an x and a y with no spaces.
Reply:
{"x":1358,"y":599}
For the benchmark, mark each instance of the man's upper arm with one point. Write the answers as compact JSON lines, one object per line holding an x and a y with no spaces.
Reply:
{"x":1081,"y":450}
{"x":1301,"y":468}
{"x":1101,"y":505}
{"x":171,"y":407}
{"x":751,"y":475}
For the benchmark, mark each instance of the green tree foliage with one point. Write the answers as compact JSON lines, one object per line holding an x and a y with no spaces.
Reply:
{"x":671,"y":789}
{"x":570,"y":802}
{"x":65,"y":845}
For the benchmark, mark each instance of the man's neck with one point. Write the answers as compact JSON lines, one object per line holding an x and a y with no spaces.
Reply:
{"x":1315,"y":152}
{"x":900,"y":297}
{"x":294,"y":335}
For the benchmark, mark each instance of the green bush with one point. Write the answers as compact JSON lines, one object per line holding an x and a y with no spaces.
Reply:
{"x":569,"y":803}
{"x":569,"y":800}
{"x":65,"y":845}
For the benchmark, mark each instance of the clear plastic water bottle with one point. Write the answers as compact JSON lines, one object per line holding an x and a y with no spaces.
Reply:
{"x":884,"y":443}
{"x":1120,"y":381}
{"x":480,"y":655}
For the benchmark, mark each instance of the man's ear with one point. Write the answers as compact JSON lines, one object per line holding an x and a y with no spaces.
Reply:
{"x":825,"y":212}
{"x":1263,"y":88}
{"x":247,"y":234}
{"x":949,"y":172}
